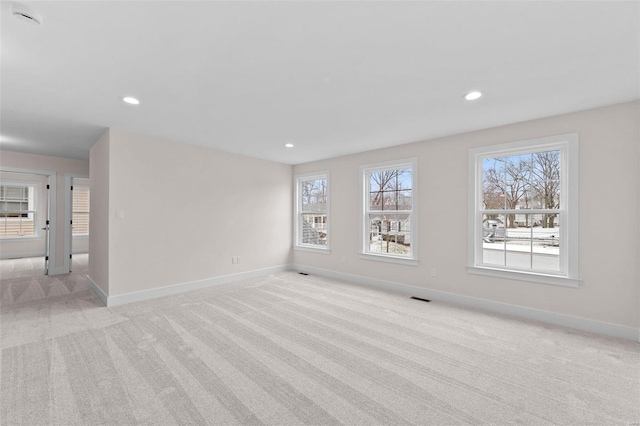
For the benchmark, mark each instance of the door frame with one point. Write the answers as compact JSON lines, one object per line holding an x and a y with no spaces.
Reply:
{"x":68,"y":210}
{"x":50,"y":244}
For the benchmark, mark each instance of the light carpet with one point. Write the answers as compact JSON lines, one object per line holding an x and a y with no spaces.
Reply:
{"x":289,"y":349}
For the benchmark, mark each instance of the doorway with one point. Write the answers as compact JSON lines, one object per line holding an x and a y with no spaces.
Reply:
{"x":78,"y":224}
{"x":25,"y":218}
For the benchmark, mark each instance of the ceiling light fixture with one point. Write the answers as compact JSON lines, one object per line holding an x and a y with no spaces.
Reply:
{"x":471,"y":96}
{"x":289,"y":145}
{"x":25,"y":14}
{"x":131,"y":100}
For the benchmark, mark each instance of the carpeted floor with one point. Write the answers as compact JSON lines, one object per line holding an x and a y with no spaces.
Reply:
{"x":290,"y":349}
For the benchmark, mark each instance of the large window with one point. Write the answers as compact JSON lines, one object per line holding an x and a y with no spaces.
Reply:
{"x":80,"y":211}
{"x":389,"y":210}
{"x":312,"y":211}
{"x":524,"y":217}
{"x":17,"y":211}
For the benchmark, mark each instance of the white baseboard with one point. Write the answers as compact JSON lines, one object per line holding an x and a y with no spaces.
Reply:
{"x":5,"y":256}
{"x":503,"y":308}
{"x":138,"y":296}
{"x":97,"y":290}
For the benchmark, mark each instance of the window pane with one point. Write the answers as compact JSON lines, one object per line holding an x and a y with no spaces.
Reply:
{"x":493,"y":183}
{"x":390,"y":234}
{"x":493,"y":239}
{"x":314,"y":229}
{"x":314,"y":195}
{"x":518,"y":249}
{"x":546,"y":242}
{"x":390,"y":189}
{"x":80,"y":223}
{"x":545,"y":179}
{"x":17,"y":226}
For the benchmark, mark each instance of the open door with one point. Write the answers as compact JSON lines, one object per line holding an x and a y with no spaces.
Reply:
{"x":47,"y":228}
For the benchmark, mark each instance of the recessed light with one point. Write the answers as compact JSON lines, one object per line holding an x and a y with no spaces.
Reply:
{"x":130,"y":100}
{"x":289,"y":145}
{"x":472,"y":95}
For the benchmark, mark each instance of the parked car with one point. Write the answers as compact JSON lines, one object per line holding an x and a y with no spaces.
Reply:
{"x":492,"y":230}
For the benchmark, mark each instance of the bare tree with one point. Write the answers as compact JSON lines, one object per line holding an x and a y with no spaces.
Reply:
{"x":545,"y":173}
{"x":388,"y":192}
{"x":387,"y":181}
{"x":505,"y":184}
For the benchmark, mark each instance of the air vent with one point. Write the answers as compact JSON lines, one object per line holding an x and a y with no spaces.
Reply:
{"x":25,"y":14}
{"x":420,"y":299}
{"x":303,"y":273}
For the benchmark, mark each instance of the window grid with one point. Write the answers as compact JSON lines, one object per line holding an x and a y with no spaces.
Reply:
{"x":525,"y":221}
{"x":312,"y":218}
{"x":389,"y":210}
{"x":80,"y":211}
{"x":17,"y":211}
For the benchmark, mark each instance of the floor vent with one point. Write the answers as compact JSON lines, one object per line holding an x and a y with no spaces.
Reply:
{"x":303,"y":273}
{"x":421,"y":299}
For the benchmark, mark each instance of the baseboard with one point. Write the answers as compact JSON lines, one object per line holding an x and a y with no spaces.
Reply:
{"x":503,"y":308}
{"x":138,"y":296}
{"x":97,"y":290}
{"x":4,"y":256}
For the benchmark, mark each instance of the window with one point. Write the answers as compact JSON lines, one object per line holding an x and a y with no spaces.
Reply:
{"x":389,"y":211}
{"x":17,"y":211}
{"x":524,"y":210}
{"x":80,"y":211}
{"x":312,"y":211}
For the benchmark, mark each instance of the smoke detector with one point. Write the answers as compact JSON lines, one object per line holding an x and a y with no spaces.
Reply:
{"x":23,"y":13}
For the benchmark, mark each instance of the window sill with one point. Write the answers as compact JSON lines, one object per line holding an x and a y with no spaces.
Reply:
{"x":524,"y":276}
{"x":81,"y":236}
{"x":312,"y":249}
{"x":390,"y":259}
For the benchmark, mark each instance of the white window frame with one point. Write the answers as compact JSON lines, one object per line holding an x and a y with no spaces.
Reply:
{"x":76,"y":187}
{"x":38,"y":221}
{"x":568,"y":210}
{"x":365,"y":170}
{"x":297,"y":223}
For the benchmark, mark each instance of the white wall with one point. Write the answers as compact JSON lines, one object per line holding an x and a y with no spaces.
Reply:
{"x":609,"y":206}
{"x":59,"y":166}
{"x":187,"y":211}
{"x":99,"y":207}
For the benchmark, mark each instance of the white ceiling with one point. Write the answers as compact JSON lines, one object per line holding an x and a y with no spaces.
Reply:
{"x":333,"y":78}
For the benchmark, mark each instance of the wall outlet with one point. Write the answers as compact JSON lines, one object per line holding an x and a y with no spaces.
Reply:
{"x":235,"y":259}
{"x":434,"y":272}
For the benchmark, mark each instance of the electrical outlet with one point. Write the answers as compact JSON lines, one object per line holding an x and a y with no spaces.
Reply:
{"x":237,"y":259}
{"x":433,"y":272}
{"x":234,"y":260}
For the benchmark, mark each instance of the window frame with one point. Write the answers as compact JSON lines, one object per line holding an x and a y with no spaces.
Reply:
{"x":37,"y":221}
{"x":88,"y":212}
{"x":297,"y":213}
{"x":567,"y":212}
{"x":365,"y":170}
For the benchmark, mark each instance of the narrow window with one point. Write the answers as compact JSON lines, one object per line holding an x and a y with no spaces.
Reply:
{"x":389,"y":210}
{"x":80,"y":212}
{"x":312,"y":211}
